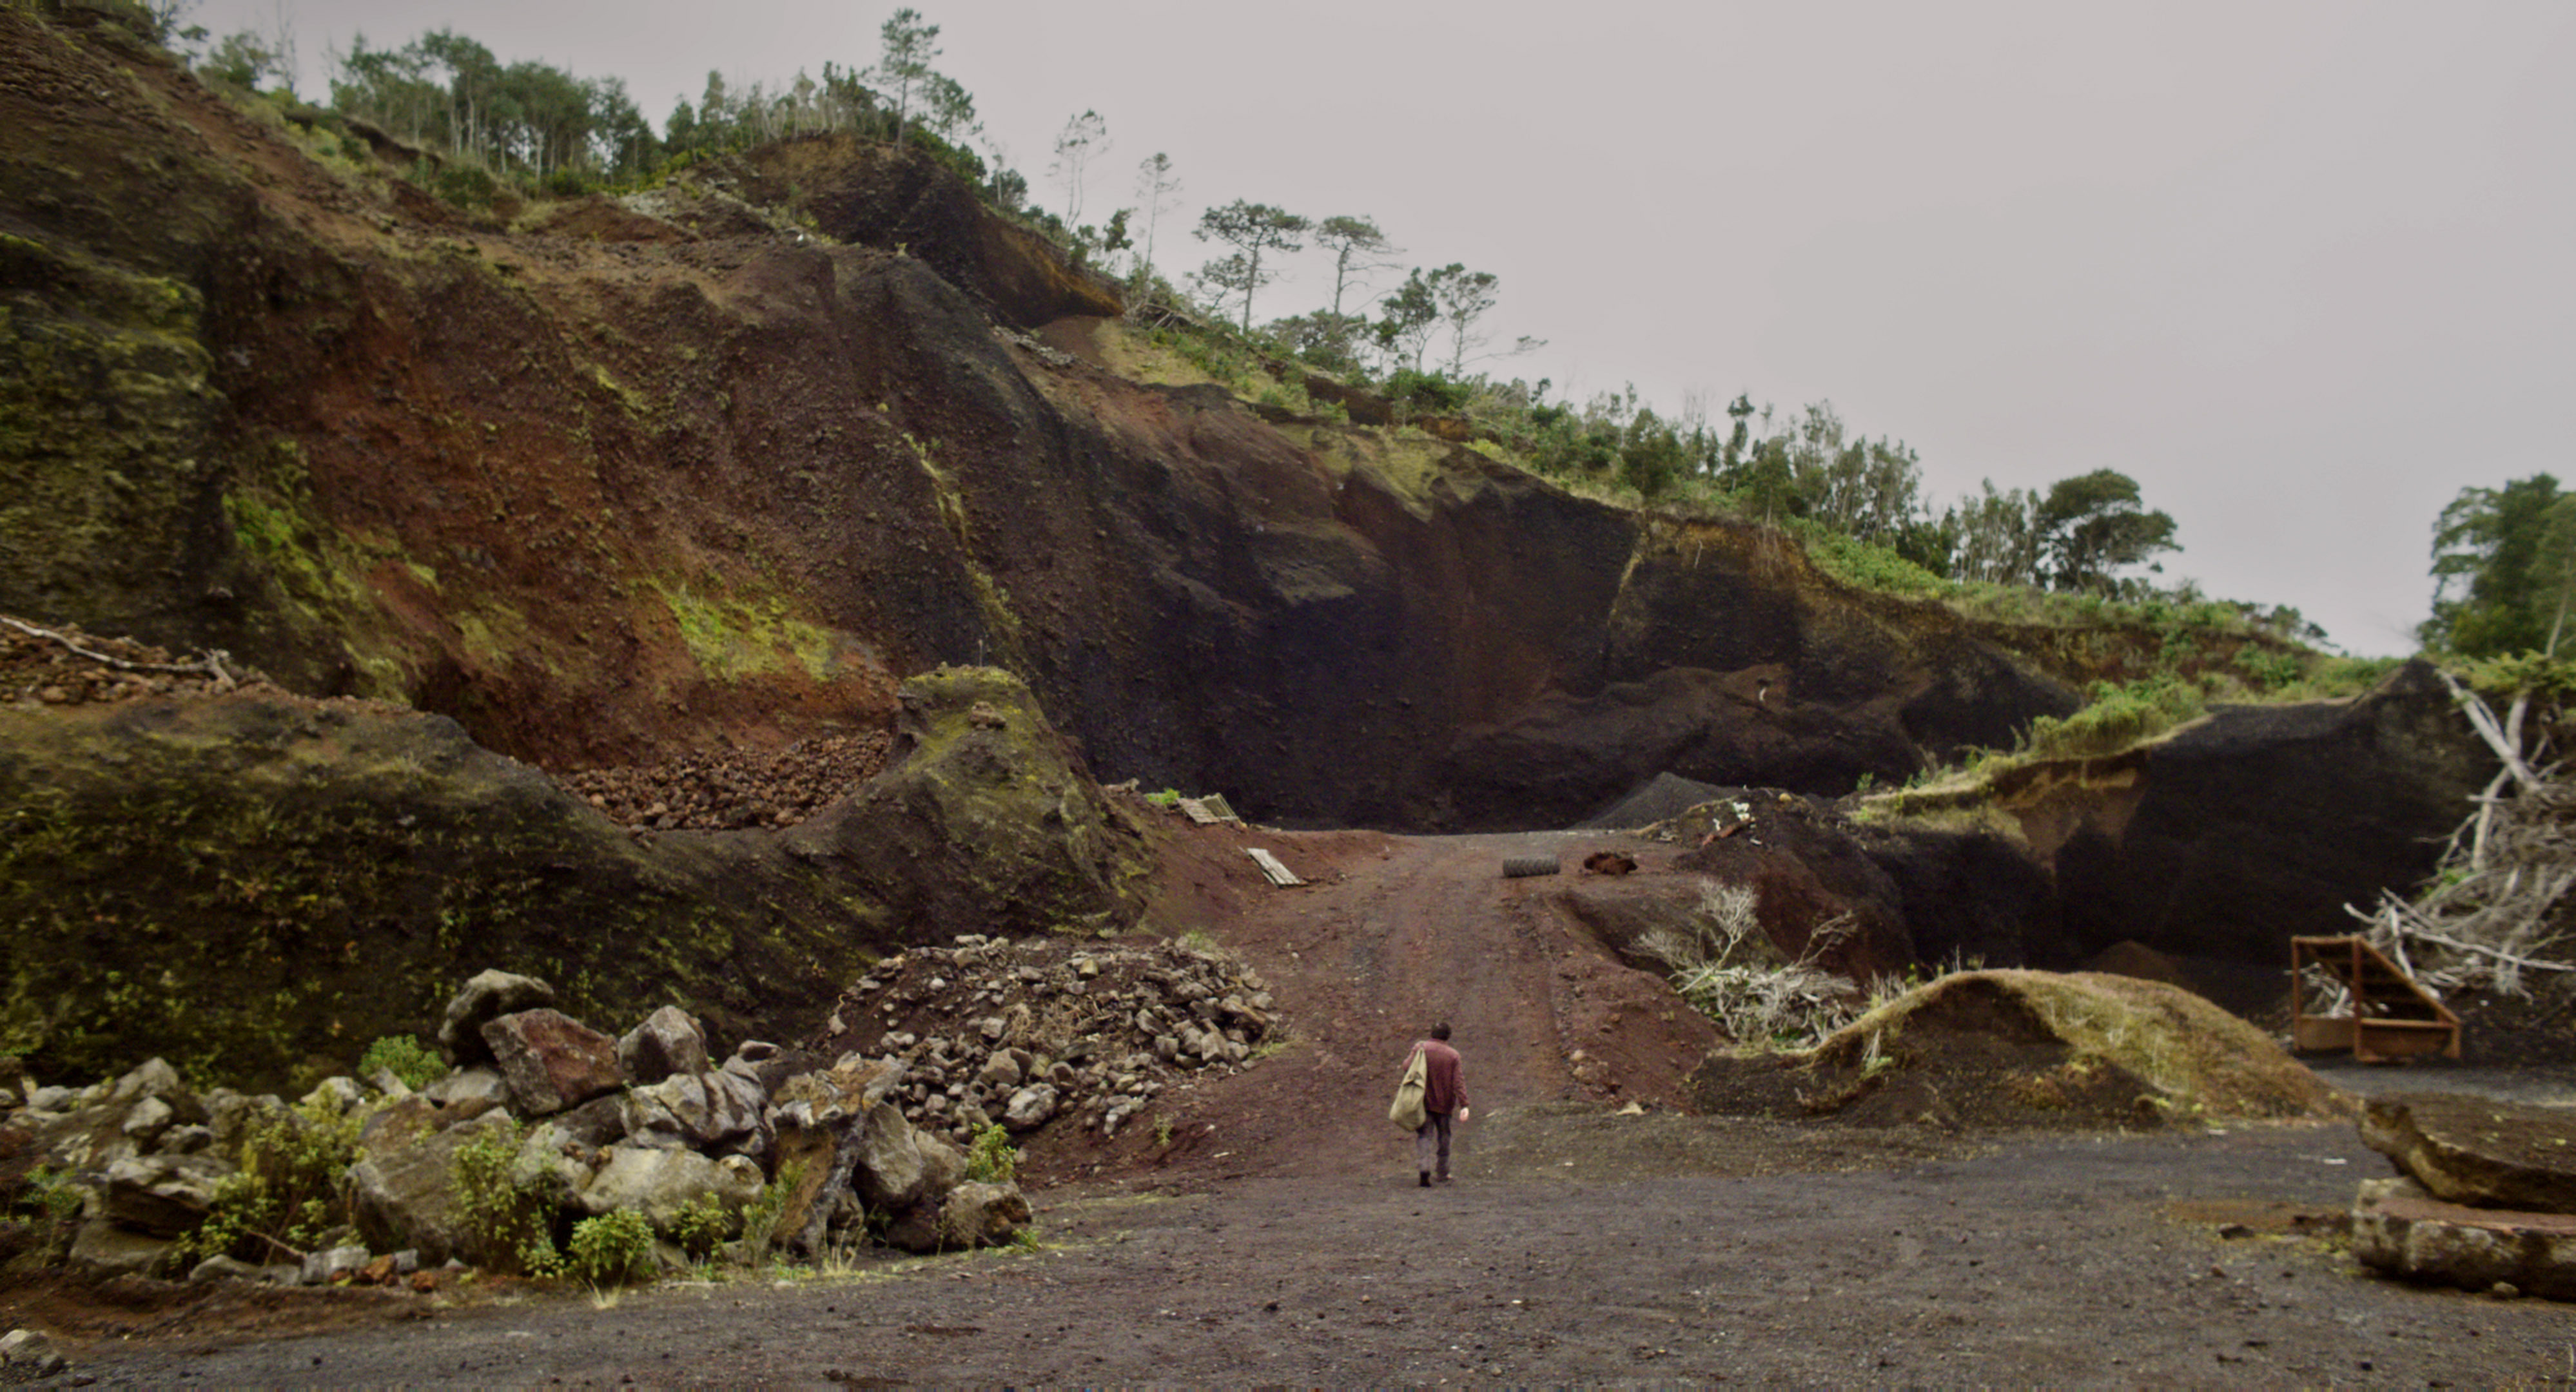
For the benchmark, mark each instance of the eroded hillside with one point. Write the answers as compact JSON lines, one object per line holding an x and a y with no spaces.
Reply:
{"x":722,"y":462}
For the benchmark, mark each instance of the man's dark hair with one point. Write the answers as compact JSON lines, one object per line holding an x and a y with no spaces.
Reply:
{"x":1440,"y":1030}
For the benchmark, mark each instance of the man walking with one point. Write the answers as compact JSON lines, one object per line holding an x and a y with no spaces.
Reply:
{"x":1444,"y":1096}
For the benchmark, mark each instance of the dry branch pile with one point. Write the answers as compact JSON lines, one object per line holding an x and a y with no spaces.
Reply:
{"x":2493,"y":911}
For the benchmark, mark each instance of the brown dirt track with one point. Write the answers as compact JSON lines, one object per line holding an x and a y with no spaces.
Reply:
{"x":1278,"y":1237}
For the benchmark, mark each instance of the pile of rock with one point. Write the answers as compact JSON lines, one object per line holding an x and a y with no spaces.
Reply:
{"x":590,"y":1125}
{"x":2485,"y":1196}
{"x":720,"y":790}
{"x":1030,"y":1032}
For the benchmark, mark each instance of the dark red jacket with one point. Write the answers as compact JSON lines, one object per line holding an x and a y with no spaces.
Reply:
{"x":1444,"y":1090}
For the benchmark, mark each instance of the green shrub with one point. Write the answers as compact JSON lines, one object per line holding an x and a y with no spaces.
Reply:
{"x":512,"y":1225}
{"x":290,"y":1192}
{"x":613,"y":1249}
{"x":701,"y":1227}
{"x":760,"y":1220}
{"x":2119,"y":716}
{"x":415,"y":1063}
{"x":992,"y":1159}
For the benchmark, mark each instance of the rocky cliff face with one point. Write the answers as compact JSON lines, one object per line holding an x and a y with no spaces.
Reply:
{"x":612,"y":479}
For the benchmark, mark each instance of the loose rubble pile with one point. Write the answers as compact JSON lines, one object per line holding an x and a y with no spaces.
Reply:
{"x":1028,"y":1032}
{"x":573,"y":1123}
{"x":61,"y":666}
{"x":722,"y":790}
{"x":2485,"y":1196}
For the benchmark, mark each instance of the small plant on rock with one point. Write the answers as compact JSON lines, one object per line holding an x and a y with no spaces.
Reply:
{"x":416,"y":1064}
{"x":701,"y":1227}
{"x":513,"y":1224}
{"x":613,"y":1249}
{"x":291,"y":1190}
{"x":760,"y":1220}
{"x":993,"y":1159}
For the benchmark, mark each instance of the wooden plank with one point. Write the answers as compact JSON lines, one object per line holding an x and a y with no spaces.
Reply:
{"x":1279,"y":874}
{"x":1220,"y":809}
{"x":1197,"y":811}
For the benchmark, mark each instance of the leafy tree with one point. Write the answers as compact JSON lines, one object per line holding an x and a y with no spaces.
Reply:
{"x":1358,"y":247}
{"x":1251,"y":229}
{"x":1324,"y":339}
{"x":1994,"y":537}
{"x":903,"y":66}
{"x":1407,"y":319}
{"x":2501,"y":569}
{"x":2092,"y":524}
{"x":250,"y":60}
{"x":1083,"y":139}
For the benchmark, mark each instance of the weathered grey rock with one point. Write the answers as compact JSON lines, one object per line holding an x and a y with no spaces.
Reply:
{"x":153,"y":1078}
{"x":52,"y":1099}
{"x":29,"y":1355}
{"x":338,"y":1096}
{"x":553,"y":1164}
{"x":147,"y":1119}
{"x":231,"y":1115}
{"x":1029,"y":1108}
{"x":402,"y":1123}
{"x":977,"y":1214}
{"x":221,"y":1268}
{"x":334,"y":1264}
{"x":2488,"y":1154}
{"x":2399,"y":1228}
{"x":598,"y":1123}
{"x":659,"y":1183}
{"x":718,"y":1112}
{"x":888,"y":1173}
{"x":551,"y":1061}
{"x":186,"y":1140}
{"x":162,"y":1195}
{"x":487,"y":997}
{"x":670,"y":1041}
{"x":101,"y":1248}
{"x":466,"y":1087}
{"x":1001,"y":1070}
{"x":389,"y":1083}
{"x":405,"y":1195}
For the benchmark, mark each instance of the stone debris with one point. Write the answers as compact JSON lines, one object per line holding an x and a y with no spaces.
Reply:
{"x":1042,"y":1032}
{"x":723,"y":790}
{"x":647,"y":1123}
{"x":2485,"y":1198}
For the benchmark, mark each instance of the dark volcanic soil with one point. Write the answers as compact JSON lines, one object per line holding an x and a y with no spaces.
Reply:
{"x":1277,"y":1235}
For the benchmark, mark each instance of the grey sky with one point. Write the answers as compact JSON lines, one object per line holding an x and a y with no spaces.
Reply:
{"x":2302,"y":270}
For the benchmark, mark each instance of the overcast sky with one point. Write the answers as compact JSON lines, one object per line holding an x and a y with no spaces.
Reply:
{"x":2301,"y":269}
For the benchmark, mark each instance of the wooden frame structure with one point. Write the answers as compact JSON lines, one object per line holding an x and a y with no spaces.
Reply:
{"x":2392,"y":1017}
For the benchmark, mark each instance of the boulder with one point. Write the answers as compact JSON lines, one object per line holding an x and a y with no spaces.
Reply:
{"x":977,"y":1214}
{"x":28,"y":1356}
{"x":598,"y":1123}
{"x":162,"y":1195}
{"x":406,"y":1196}
{"x":551,"y":1061}
{"x":335,"y":1264}
{"x":479,"y":1087}
{"x":487,"y":997}
{"x":553,"y":1164}
{"x":2401,"y":1229}
{"x":669,"y":1041}
{"x":2468,"y":1150}
{"x":718,"y":1112}
{"x":1029,"y":1108}
{"x":102,"y":1249}
{"x":888,"y":1173}
{"x":659,"y":1183}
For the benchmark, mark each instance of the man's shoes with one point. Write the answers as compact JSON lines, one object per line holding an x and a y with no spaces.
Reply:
{"x":1426,"y":1179}
{"x":1444,"y":1179}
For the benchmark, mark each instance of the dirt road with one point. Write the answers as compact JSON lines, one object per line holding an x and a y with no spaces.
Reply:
{"x":1276,"y":1235}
